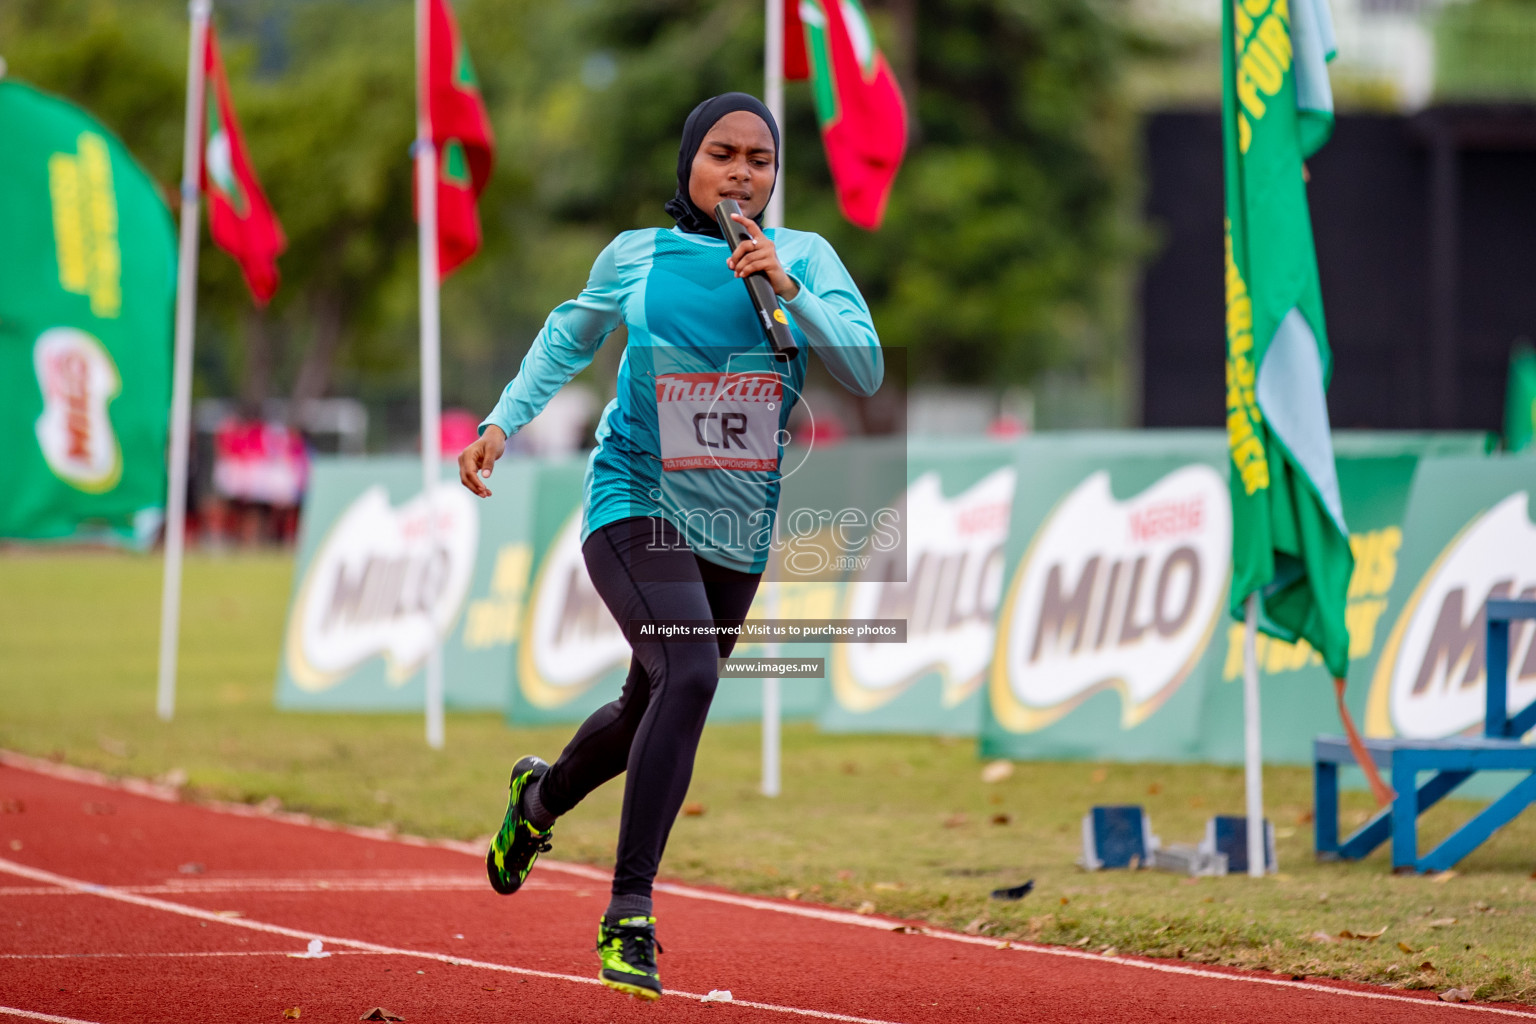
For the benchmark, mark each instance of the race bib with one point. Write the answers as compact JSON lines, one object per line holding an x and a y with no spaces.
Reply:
{"x":719,"y":420}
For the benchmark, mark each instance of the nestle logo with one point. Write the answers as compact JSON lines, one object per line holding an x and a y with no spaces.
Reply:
{"x":1168,"y":519}
{"x":984,"y":518}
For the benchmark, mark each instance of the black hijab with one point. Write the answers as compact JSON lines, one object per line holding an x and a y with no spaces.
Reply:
{"x":681,"y":206}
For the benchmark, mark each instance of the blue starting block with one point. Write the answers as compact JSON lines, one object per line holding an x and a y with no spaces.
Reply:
{"x":1453,"y":761}
{"x":1117,"y":836}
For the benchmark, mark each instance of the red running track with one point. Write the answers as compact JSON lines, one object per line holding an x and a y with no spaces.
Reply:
{"x":126,"y":907}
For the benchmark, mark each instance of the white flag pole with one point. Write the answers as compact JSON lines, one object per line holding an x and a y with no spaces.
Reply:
{"x":1254,"y":763}
{"x":181,"y":381}
{"x":431,"y":390}
{"x":773,"y":98}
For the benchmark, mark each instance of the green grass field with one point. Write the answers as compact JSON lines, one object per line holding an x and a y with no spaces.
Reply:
{"x":903,"y":824}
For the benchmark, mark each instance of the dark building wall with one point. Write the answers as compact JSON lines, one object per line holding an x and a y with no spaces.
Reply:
{"x":1374,"y":189}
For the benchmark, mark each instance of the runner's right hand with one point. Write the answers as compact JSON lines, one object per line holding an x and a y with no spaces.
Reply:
{"x":477,"y":460}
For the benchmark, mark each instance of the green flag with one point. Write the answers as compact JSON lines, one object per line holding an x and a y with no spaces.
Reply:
{"x":1520,"y":399}
{"x":1289,"y":541}
{"x":87,"y":287}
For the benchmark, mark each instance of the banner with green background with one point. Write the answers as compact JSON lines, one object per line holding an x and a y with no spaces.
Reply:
{"x":1091,"y":665}
{"x":958,"y":507}
{"x":87,"y":289}
{"x":1097,"y":561}
{"x":382,"y":573}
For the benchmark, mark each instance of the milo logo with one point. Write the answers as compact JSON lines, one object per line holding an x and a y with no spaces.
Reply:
{"x":570,"y":639}
{"x":77,"y":379}
{"x":1431,"y":678}
{"x":385,"y":582}
{"x":1114,"y":595}
{"x":954,"y":581}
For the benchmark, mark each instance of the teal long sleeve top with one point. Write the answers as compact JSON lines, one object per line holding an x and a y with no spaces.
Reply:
{"x":696,"y":431}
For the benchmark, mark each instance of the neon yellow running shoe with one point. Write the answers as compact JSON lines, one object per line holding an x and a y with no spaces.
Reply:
{"x":628,"y":949}
{"x":518,"y":844}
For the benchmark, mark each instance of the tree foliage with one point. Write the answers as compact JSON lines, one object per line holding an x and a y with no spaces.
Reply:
{"x":1001,"y":256}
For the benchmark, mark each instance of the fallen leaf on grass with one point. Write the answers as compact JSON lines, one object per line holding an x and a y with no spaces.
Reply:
{"x":1457,"y":995}
{"x":1154,"y":789}
{"x":977,"y":925}
{"x":379,"y":1013}
{"x":1099,"y":774}
{"x":997,"y":771}
{"x":1083,"y":941}
{"x":1426,"y":967}
{"x":1406,"y":948}
{"x":1322,"y":936}
{"x":864,"y":908}
{"x":888,"y":886}
{"x":1109,"y":951}
{"x":292,"y":1013}
{"x":845,"y":875}
{"x":1441,"y":922}
{"x":693,"y":810}
{"x":1364,"y":936}
{"x":955,"y":821}
{"x":791,"y":894}
{"x":1443,"y":877}
{"x":1001,"y":819}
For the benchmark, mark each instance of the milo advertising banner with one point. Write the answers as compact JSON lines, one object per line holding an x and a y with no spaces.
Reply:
{"x":87,"y":286}
{"x":1117,"y":567}
{"x":1468,"y":537}
{"x":384,"y":572}
{"x":1112,"y":639}
{"x":958,"y":509}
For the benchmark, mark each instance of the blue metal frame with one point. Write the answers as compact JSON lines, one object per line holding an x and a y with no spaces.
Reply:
{"x":1452,"y":761}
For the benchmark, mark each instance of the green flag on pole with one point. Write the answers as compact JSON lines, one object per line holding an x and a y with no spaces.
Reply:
{"x":1289,"y":541}
{"x":1520,"y":399}
{"x":87,"y":280}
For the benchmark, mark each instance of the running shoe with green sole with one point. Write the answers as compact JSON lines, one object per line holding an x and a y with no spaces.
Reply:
{"x":628,"y":949}
{"x":518,"y":844}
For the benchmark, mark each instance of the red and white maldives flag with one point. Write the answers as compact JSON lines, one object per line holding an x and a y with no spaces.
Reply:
{"x":863,"y":117}
{"x":239,"y":217}
{"x":461,"y":134}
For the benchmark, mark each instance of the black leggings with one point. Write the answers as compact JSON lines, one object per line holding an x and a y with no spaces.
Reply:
{"x":652,"y":730}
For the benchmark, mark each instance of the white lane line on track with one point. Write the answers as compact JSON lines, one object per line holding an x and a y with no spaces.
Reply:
{"x":11,"y":1011}
{"x":106,"y":892}
{"x":159,"y":792}
{"x":265,"y":885}
{"x":133,"y":956}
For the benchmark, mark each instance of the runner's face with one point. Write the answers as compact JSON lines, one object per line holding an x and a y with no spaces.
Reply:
{"x":735,"y":162}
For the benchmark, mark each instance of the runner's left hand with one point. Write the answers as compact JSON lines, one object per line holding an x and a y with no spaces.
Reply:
{"x":758,"y":254}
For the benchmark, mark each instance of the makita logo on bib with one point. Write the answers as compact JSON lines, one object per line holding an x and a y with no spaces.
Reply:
{"x":1119,"y":595}
{"x":77,"y":379}
{"x":719,"y":387}
{"x":386,"y":581}
{"x":570,"y":639}
{"x":954,"y":580}
{"x":1431,"y":678}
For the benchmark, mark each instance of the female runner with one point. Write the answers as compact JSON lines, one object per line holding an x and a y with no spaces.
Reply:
{"x":681,"y":490}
